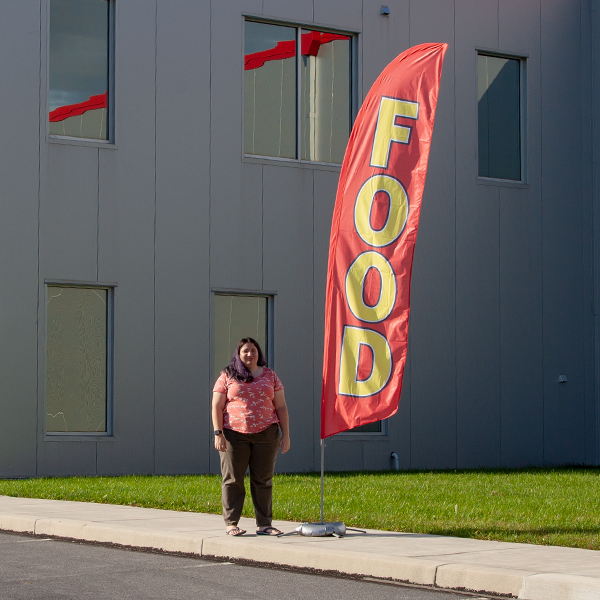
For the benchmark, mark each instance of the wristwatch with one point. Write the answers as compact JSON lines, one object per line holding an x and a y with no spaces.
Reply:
{"x":218,"y":432}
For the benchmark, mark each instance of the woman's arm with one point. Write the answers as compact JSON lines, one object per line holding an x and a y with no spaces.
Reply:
{"x":218,"y":405}
{"x":284,"y":420}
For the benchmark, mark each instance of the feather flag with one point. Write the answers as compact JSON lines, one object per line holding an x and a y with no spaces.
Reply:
{"x":373,"y":236}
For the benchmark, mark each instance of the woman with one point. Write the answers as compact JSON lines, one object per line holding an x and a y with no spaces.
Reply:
{"x":248,"y":408}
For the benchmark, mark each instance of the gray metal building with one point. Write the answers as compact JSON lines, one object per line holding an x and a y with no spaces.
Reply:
{"x":167,"y":222}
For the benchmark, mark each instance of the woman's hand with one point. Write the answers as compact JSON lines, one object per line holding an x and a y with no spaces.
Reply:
{"x":218,"y":405}
{"x":284,"y":420}
{"x":284,"y":443}
{"x":220,"y":443}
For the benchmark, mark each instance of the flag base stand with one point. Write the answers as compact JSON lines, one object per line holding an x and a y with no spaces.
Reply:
{"x":322,"y":529}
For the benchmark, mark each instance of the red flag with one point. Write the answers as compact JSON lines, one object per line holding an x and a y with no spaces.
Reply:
{"x":372,"y":242}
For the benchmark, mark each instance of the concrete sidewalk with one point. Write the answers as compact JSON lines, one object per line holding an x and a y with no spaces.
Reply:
{"x":519,"y":570}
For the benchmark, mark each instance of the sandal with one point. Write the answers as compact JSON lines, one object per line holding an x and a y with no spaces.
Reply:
{"x":235,"y":531}
{"x":269,"y":531}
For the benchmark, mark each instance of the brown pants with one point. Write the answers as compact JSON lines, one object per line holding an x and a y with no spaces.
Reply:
{"x":259,"y":452}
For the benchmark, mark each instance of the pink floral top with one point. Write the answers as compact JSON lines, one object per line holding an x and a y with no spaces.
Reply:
{"x":249,"y":407}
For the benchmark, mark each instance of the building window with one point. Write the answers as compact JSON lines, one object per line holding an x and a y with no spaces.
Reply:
{"x":78,"y":351}
{"x":79,"y":69}
{"x":296,"y":103}
{"x":239,"y":316}
{"x":499,"y":93}
{"x":376,"y":427}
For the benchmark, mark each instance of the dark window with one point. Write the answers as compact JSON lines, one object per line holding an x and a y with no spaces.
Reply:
{"x":369,"y":428}
{"x":499,"y":110}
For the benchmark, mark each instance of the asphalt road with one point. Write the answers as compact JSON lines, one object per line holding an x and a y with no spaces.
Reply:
{"x":33,"y":567}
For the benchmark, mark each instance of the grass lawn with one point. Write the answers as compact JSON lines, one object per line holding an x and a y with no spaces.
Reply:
{"x":558,"y":507}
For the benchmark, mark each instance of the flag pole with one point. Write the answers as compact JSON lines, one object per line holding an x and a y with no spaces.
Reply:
{"x":322,"y":475}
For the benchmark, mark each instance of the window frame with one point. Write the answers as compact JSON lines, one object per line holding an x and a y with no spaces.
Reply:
{"x":93,"y":436}
{"x":110,"y":125}
{"x":353,"y":93}
{"x":496,"y":181}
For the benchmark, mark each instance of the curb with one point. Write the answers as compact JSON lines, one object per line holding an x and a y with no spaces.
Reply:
{"x":526,"y":585}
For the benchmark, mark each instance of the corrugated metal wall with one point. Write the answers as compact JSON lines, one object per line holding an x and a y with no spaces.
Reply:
{"x":503,"y":280}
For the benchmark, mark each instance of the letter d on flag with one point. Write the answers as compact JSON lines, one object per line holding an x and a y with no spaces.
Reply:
{"x":373,"y":236}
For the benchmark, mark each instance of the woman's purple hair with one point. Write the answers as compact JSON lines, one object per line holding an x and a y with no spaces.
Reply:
{"x":236,"y":369}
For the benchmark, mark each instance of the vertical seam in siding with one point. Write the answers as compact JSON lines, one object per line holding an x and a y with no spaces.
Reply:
{"x":594,"y":84}
{"x":498,"y":191}
{"x":455,"y":253}
{"x":39,"y":199}
{"x":594,"y":455}
{"x":210,"y":305}
{"x":154,"y":250}
{"x":498,"y":24}
{"x":361,"y":58}
{"x":409,"y":27}
{"x":262,"y":227}
{"x":499,"y":195}
{"x":98,"y":220}
{"x":542,"y":237}
{"x":313,"y":316}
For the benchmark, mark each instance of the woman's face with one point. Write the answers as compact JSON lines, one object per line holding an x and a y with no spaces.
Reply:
{"x":249,"y":355}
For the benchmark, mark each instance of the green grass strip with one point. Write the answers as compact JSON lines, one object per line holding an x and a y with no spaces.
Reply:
{"x":558,"y":507}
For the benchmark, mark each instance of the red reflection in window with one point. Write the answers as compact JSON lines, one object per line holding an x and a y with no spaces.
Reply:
{"x":73,"y":110}
{"x":310,"y":44}
{"x":312,"y":41}
{"x":286,"y":49}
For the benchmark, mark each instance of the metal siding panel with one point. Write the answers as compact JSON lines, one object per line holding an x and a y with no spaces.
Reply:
{"x":68,"y":250}
{"x":235,"y":214}
{"x":588,"y":62}
{"x":477,"y":256}
{"x":521,"y":289}
{"x":564,"y":302}
{"x":183,"y":427}
{"x":476,"y":25}
{"x":595,"y":111}
{"x":325,"y":190}
{"x":424,"y":29}
{"x":519,"y":27}
{"x":521,"y":343}
{"x":342,"y":455}
{"x":341,"y":14}
{"x":588,"y":233}
{"x":383,"y":38}
{"x":377,"y":455}
{"x":288,"y":270}
{"x":69,"y":212}
{"x":236,"y":227}
{"x":432,"y":319}
{"x":65,"y":459}
{"x":134,"y":198}
{"x":399,"y":426}
{"x":289,"y":10}
{"x":19,"y":177}
{"x":251,"y":7}
{"x":478,"y":329}
{"x":108,"y":216}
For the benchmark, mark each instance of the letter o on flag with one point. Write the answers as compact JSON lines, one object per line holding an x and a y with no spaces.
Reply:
{"x":397,"y":212}
{"x":355,"y":282}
